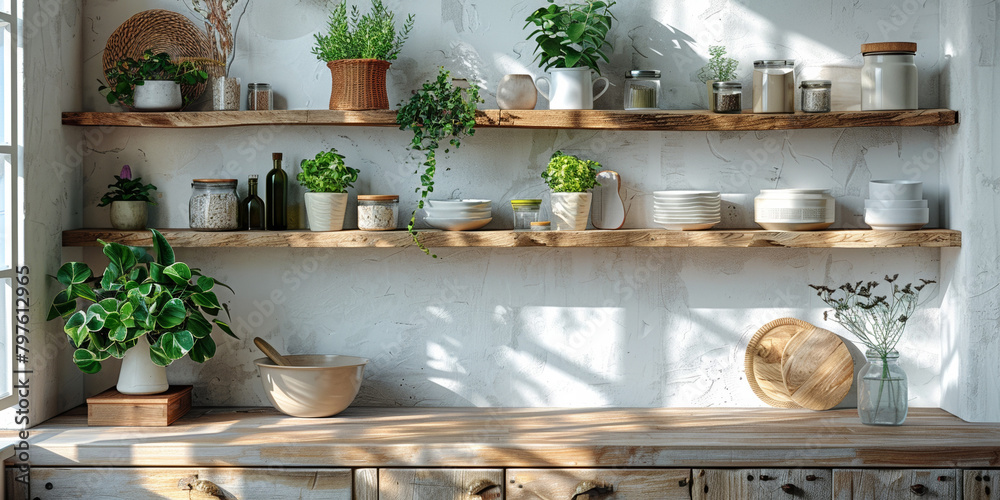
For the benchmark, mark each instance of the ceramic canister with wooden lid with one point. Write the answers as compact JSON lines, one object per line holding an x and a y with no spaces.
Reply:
{"x":889,"y":77}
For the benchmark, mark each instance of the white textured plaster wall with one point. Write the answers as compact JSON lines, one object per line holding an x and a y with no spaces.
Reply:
{"x":575,"y":327}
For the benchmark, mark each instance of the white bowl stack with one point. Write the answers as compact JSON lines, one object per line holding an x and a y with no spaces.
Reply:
{"x":687,"y":210}
{"x":896,"y":205}
{"x":458,"y":215}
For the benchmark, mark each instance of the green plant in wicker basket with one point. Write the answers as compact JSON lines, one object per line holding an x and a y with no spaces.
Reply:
{"x":128,"y":72}
{"x":438,"y":111}
{"x":369,"y":36}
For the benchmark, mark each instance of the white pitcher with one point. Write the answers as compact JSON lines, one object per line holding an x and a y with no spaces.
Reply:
{"x":571,"y":88}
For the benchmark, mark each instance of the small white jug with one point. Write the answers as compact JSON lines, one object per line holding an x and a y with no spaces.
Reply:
{"x":571,"y":88}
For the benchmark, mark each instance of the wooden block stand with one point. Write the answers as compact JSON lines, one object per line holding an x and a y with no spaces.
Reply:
{"x":112,"y":408}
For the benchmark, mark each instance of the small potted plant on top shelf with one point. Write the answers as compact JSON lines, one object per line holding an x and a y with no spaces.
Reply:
{"x":570,"y":180}
{"x":357,"y":49}
{"x":327,"y":179}
{"x":128,"y":198}
{"x":719,"y":69}
{"x":153,"y":83}
{"x":148,"y":313}
{"x":571,"y":40}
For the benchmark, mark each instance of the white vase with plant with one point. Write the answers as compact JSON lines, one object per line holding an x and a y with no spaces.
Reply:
{"x":570,"y":179}
{"x":719,"y":69}
{"x":129,"y":199}
{"x":327,"y":178}
{"x":878,"y":322}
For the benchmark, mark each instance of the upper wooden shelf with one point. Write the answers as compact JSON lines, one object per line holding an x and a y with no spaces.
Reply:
{"x":698,"y":120}
{"x":854,"y":238}
{"x":521,"y":437}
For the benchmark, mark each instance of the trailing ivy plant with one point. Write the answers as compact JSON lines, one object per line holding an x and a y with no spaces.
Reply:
{"x":569,"y":174}
{"x":571,"y":36}
{"x":327,"y":173}
{"x":128,"y":72}
{"x":369,"y":36}
{"x":436,"y":112}
{"x":165,"y":300}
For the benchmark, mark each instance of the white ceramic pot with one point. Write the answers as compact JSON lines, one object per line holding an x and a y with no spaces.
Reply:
{"x":139,"y":375}
{"x":158,"y":95}
{"x":326,"y":211}
{"x":129,"y":215}
{"x":517,"y":92}
{"x":570,"y":210}
{"x":572,"y":88}
{"x":225,"y":93}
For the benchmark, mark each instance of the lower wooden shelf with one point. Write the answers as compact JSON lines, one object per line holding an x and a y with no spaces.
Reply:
{"x":726,"y":238}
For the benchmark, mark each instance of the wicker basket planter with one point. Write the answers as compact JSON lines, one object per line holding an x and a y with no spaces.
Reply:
{"x":358,"y":84}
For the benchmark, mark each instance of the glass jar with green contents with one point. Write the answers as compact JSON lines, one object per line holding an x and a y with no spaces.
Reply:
{"x":526,"y":212}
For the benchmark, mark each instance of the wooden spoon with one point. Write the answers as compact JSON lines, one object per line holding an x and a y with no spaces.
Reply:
{"x":270,"y":352}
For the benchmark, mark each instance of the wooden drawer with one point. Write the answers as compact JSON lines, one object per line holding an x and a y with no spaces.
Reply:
{"x":760,"y":484}
{"x":440,"y":484}
{"x":593,"y":484}
{"x":895,"y":484}
{"x":175,"y":483}
{"x":981,"y":485}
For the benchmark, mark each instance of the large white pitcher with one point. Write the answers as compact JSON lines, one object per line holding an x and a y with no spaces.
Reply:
{"x":571,"y":88}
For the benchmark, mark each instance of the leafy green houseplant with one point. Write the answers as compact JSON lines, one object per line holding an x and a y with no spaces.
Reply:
{"x":327,"y":178}
{"x":571,"y":35}
{"x":878,"y":321}
{"x":719,"y":69}
{"x":162,"y":303}
{"x":357,"y":48}
{"x":436,"y":112}
{"x":570,"y":178}
{"x":128,"y":198}
{"x":129,"y":73}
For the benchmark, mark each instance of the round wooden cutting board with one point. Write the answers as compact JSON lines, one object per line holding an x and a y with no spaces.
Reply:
{"x":763,"y":360}
{"x":817,"y":369}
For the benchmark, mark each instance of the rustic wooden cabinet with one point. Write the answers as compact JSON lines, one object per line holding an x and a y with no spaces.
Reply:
{"x":440,"y":484}
{"x":981,"y":485}
{"x":896,"y":484}
{"x":594,"y":484}
{"x":762,"y":484}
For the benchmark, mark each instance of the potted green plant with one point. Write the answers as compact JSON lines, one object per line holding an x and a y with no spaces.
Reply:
{"x":719,"y":69}
{"x":438,"y":111}
{"x":128,"y":198}
{"x":149,"y":313}
{"x":570,"y":179}
{"x":878,"y":321}
{"x":327,"y":179}
{"x":570,"y":41}
{"x":152,"y":83}
{"x":357,"y":49}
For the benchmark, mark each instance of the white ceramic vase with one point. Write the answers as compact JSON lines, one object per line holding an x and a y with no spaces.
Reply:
{"x":139,"y":375}
{"x":570,"y":210}
{"x":158,"y":95}
{"x":517,"y":92}
{"x":129,"y":215}
{"x":326,"y":211}
{"x":572,"y":88}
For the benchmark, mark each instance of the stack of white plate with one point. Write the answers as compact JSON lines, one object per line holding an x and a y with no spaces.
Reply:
{"x":795,"y":209}
{"x":687,"y":210}
{"x":896,"y":206}
{"x":458,"y":215}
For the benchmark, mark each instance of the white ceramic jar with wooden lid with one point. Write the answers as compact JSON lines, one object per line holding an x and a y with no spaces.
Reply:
{"x":889,"y":77}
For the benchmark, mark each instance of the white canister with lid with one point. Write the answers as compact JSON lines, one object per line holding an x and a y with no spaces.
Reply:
{"x":795,"y":209}
{"x":774,"y":86}
{"x":889,"y":77}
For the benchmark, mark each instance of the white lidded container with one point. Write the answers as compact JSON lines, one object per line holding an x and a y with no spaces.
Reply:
{"x":889,"y":77}
{"x":774,"y":86}
{"x":795,"y":209}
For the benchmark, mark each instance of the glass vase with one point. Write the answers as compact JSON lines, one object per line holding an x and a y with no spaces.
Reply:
{"x":882,"y":390}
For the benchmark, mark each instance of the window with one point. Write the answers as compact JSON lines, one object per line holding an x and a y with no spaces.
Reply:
{"x":10,"y":199}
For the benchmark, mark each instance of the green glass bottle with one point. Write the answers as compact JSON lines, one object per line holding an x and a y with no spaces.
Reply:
{"x":276,"y":194}
{"x":252,"y":209}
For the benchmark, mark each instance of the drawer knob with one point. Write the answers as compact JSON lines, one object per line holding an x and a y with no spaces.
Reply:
{"x":789,"y":488}
{"x":918,"y":489}
{"x":592,"y":487}
{"x":201,"y":485}
{"x":481,"y":487}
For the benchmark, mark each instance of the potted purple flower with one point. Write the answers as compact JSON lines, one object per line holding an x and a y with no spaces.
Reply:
{"x":128,"y":198}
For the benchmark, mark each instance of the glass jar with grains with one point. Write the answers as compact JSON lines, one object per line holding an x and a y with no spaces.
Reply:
{"x":377,"y":212}
{"x":214,"y":205}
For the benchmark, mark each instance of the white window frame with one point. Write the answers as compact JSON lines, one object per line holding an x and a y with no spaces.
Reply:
{"x":13,"y":184}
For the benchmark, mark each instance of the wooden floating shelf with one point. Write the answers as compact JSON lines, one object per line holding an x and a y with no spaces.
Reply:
{"x":698,"y":120}
{"x":653,"y":238}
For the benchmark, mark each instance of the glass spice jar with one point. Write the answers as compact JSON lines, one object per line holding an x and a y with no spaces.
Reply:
{"x":214,"y":205}
{"x":817,"y":95}
{"x":260,"y":97}
{"x":642,"y":90}
{"x":526,"y":212}
{"x":377,"y":212}
{"x":728,"y":97}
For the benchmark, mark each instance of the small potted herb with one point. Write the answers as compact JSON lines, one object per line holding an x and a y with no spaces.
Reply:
{"x":570,"y":180}
{"x":719,"y":69}
{"x":357,"y":49}
{"x":570,"y":42}
{"x":153,"y":83}
{"x":877,"y":320}
{"x":148,"y":313}
{"x":128,"y":198}
{"x":327,"y":179}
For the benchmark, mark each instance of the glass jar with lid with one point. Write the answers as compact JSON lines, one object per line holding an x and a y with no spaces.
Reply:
{"x":214,"y":205}
{"x":889,"y":77}
{"x":774,"y":86}
{"x":817,"y":96}
{"x":377,"y":212}
{"x":260,"y":97}
{"x":642,"y":90}
{"x":526,"y":212}
{"x":728,"y":97}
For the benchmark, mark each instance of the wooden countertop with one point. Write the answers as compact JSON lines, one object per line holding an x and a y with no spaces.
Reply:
{"x":533,"y":437}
